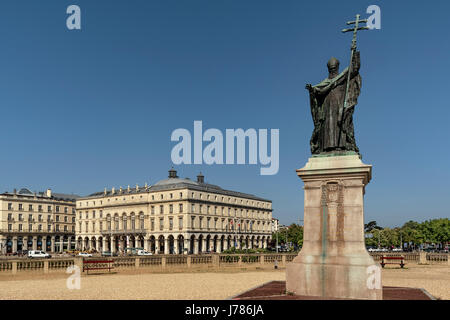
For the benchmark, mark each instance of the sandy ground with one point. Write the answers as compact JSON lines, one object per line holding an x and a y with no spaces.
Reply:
{"x":196,"y":285}
{"x":435,"y":279}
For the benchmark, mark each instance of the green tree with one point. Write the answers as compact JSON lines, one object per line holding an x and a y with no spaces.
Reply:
{"x":291,"y":234}
{"x":368,"y":227}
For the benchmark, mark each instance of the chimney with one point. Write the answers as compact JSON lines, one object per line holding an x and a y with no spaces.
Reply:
{"x":137,"y":187}
{"x":173,"y":173}
{"x":113,"y":190}
{"x":105,"y":191}
{"x":15,"y":190}
{"x":49,"y":193}
{"x":200,"y":178}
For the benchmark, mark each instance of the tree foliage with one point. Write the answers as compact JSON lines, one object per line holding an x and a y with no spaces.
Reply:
{"x":372,"y":225}
{"x":435,"y":231}
{"x":292,"y":234}
{"x":413,"y":233}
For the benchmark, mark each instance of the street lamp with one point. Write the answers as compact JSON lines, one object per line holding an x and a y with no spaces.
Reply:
{"x":276,"y":246}
{"x":286,"y":237}
{"x":379,"y":240}
{"x":401,"y":241}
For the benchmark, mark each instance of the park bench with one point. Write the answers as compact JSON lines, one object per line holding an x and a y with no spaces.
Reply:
{"x":98,"y":265}
{"x":401,"y":262}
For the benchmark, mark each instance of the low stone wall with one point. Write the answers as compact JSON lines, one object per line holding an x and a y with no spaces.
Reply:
{"x":437,"y":258}
{"x":416,"y":257}
{"x":203,"y":261}
{"x":44,"y":265}
{"x":156,"y":262}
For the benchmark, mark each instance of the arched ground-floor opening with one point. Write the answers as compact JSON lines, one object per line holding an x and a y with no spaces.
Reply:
{"x":170,"y":243}
{"x":9,"y":245}
{"x":180,"y":245}
{"x":192,"y":244}
{"x":152,"y":244}
{"x":80,"y":243}
{"x":200,"y":244}
{"x":160,"y":245}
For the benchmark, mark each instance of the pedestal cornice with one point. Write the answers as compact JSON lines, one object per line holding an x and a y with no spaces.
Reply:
{"x":319,"y":168}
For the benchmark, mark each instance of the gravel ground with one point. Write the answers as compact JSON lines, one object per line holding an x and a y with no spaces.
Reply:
{"x":435,"y":279}
{"x":198,"y":285}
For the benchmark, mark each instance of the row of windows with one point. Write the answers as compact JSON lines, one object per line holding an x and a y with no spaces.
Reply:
{"x":229,"y":224}
{"x":39,"y":208}
{"x":161,"y":209}
{"x":39,"y":227}
{"x":40,"y":218}
{"x":196,"y":222}
{"x":80,"y":204}
{"x":201,"y":209}
{"x":86,"y":214}
{"x":108,"y":225}
{"x":93,"y":214}
{"x":193,"y":195}
{"x":215,"y":210}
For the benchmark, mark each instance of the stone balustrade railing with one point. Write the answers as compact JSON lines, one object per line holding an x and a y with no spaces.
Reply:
{"x":167,"y":262}
{"x":421,"y":257}
{"x":35,"y":265}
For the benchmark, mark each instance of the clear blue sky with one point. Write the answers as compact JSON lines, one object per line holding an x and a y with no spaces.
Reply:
{"x":84,"y":110}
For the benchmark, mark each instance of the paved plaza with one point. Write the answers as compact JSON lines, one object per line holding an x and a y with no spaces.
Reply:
{"x":132,"y":284}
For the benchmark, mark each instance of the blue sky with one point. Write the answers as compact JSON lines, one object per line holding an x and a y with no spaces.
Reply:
{"x":94,"y":108}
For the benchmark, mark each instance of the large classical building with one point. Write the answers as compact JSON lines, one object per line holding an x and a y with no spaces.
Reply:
{"x":173,"y":216}
{"x":36,"y":221}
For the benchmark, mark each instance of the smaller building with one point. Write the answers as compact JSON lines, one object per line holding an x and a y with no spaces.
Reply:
{"x":275,"y":224}
{"x":36,"y":221}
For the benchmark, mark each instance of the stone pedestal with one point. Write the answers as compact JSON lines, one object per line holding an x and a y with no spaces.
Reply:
{"x":334,"y":262}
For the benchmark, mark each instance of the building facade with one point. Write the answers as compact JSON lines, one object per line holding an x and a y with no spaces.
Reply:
{"x":173,"y":216}
{"x":36,"y":221}
{"x":275,"y":225}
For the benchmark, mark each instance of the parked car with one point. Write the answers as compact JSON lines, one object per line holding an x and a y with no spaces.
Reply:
{"x":143,"y":253}
{"x":85,"y":254}
{"x":38,"y":254}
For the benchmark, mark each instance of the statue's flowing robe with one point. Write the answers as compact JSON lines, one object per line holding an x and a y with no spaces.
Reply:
{"x":327,"y":104}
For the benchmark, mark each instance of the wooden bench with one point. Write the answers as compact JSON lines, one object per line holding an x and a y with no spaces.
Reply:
{"x":401,"y":258}
{"x":98,"y":265}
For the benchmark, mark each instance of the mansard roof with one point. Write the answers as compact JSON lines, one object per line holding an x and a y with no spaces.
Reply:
{"x":25,"y":192}
{"x":174,"y":182}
